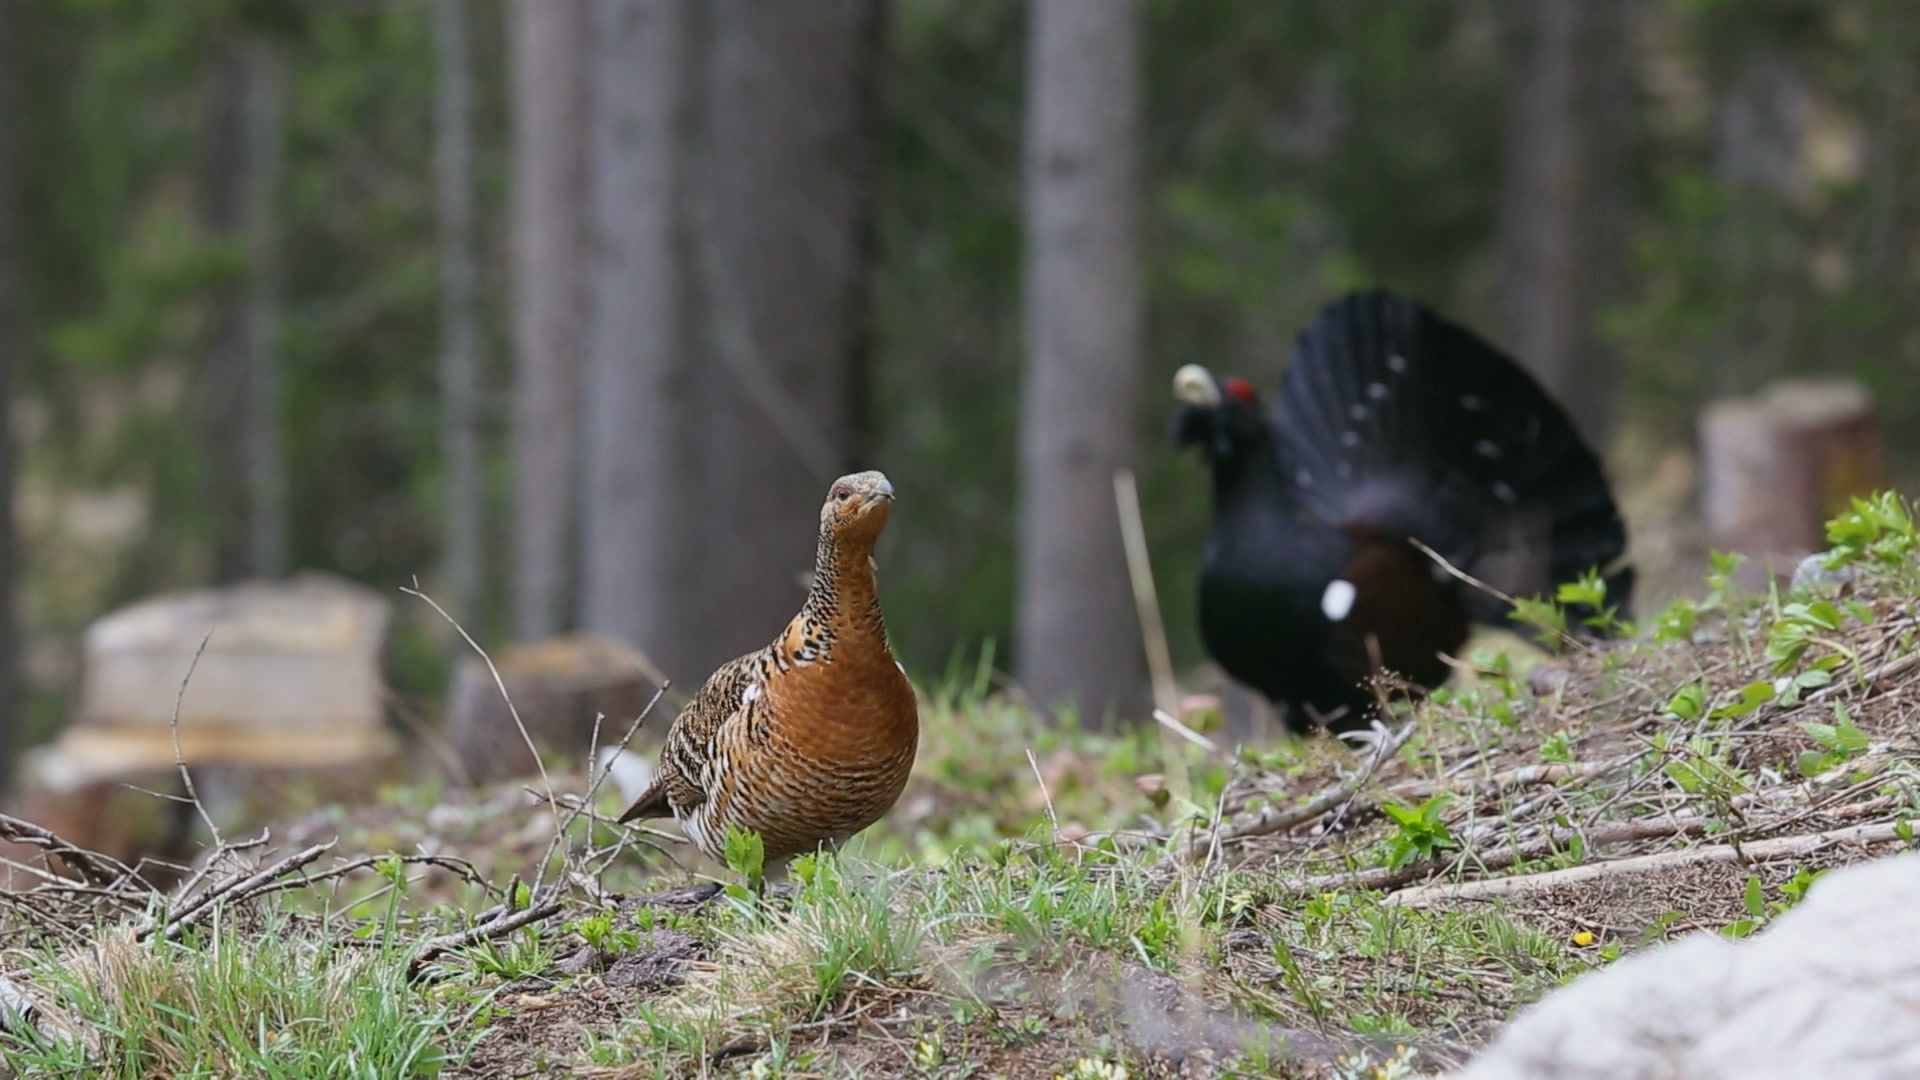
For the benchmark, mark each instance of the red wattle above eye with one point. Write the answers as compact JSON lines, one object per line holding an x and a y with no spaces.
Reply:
{"x":1241,"y":390}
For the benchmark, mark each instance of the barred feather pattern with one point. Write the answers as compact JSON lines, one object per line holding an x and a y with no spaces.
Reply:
{"x":808,"y":740}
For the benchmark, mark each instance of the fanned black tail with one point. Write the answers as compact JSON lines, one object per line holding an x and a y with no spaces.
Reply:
{"x":1392,"y":417}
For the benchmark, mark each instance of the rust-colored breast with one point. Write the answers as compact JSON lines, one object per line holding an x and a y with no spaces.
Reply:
{"x":831,"y":757}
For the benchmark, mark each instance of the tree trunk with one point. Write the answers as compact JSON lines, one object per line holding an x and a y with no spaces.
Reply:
{"x":549,"y":52}
{"x":1078,"y":641}
{"x":459,"y":307}
{"x":643,"y":428}
{"x":267,"y":525}
{"x":1564,"y":198}
{"x":12,"y":352}
{"x":239,"y":183}
{"x":783,"y":256}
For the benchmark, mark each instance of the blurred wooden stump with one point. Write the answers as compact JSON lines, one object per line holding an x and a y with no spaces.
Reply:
{"x":287,"y":692}
{"x":1776,"y":466}
{"x":559,"y":686}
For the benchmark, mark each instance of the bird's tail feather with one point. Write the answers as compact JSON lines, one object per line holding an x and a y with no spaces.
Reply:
{"x":1395,"y":418}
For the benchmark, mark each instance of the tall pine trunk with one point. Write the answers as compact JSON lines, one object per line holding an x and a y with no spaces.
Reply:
{"x":644,"y":503}
{"x":549,"y":51}
{"x":1565,"y":195}
{"x":463,"y":548}
{"x":1079,"y":640}
{"x":12,"y":354}
{"x":241,"y":156}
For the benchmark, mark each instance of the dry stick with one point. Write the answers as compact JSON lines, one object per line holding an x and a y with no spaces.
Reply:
{"x":179,"y":759}
{"x":1754,"y":850}
{"x":234,"y":887}
{"x":1505,"y":598}
{"x":206,"y":867}
{"x":1153,"y":631}
{"x":1620,"y":832}
{"x":501,"y":685}
{"x":238,"y":889}
{"x":98,"y":869}
{"x":1272,"y":819}
{"x":585,"y":804}
{"x":449,"y":863}
{"x":502,"y":924}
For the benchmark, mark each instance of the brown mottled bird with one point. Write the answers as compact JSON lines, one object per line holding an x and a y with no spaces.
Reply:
{"x":810,"y":739}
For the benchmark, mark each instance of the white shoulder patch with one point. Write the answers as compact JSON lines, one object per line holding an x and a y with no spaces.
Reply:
{"x":751,"y":693}
{"x":1337,"y":601}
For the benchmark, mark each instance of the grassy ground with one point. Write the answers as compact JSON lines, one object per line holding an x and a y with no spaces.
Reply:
{"x":1044,"y":903}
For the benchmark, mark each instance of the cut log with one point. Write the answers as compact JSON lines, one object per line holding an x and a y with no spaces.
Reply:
{"x":1777,"y":465}
{"x":559,"y":686}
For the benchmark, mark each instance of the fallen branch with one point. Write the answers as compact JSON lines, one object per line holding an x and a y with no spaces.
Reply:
{"x":1780,"y":847}
{"x":98,"y":869}
{"x":235,"y":888}
{"x":1273,"y":819}
{"x":1619,"y":832}
{"x":500,"y":925}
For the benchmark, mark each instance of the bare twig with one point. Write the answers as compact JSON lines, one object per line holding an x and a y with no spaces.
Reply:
{"x":503,"y":923}
{"x":235,"y":888}
{"x":500,"y":684}
{"x":98,"y":869}
{"x":179,"y":759}
{"x":1273,"y":819}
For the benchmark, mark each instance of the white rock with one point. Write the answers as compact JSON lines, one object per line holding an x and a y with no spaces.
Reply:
{"x":1832,"y":989}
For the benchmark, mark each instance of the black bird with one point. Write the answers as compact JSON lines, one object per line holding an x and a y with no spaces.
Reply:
{"x":1391,"y":423}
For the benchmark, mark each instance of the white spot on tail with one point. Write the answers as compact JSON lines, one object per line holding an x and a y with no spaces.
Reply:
{"x":1396,"y":363}
{"x":1345,"y":469}
{"x":1303,"y":476}
{"x":1349,"y":438}
{"x":1358,"y":412}
{"x":1486,"y":448}
{"x":1471,"y":403}
{"x":1337,"y":601}
{"x":1505,"y":494}
{"x":1377,"y":391}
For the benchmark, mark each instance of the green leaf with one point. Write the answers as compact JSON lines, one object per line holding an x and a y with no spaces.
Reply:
{"x":1752,"y":696}
{"x":746,"y":854}
{"x":1754,"y":898}
{"x":1688,"y":702}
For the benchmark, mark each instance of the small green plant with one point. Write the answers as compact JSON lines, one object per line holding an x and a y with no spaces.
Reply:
{"x":1760,"y":910}
{"x":602,"y":936}
{"x":1418,"y":832}
{"x":1674,"y":625}
{"x":1878,"y":531}
{"x":746,"y":855}
{"x":1838,"y":742}
{"x":1588,"y":596}
{"x":1544,"y":616}
{"x":1557,"y":749}
{"x":523,"y":955}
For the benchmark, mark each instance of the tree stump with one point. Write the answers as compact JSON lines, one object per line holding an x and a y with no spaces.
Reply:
{"x":1776,"y":466}
{"x":558,"y":685}
{"x":287,"y":693}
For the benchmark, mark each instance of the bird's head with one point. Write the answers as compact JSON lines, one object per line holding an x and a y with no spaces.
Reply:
{"x":857,"y":506}
{"x":1220,"y":416}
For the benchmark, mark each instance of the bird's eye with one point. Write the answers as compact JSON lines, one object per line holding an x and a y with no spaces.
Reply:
{"x":842,"y":495}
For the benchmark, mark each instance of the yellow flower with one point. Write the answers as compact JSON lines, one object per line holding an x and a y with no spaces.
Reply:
{"x":1583,"y":938}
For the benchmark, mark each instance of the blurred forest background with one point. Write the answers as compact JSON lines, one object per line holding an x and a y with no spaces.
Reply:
{"x":573,"y":308}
